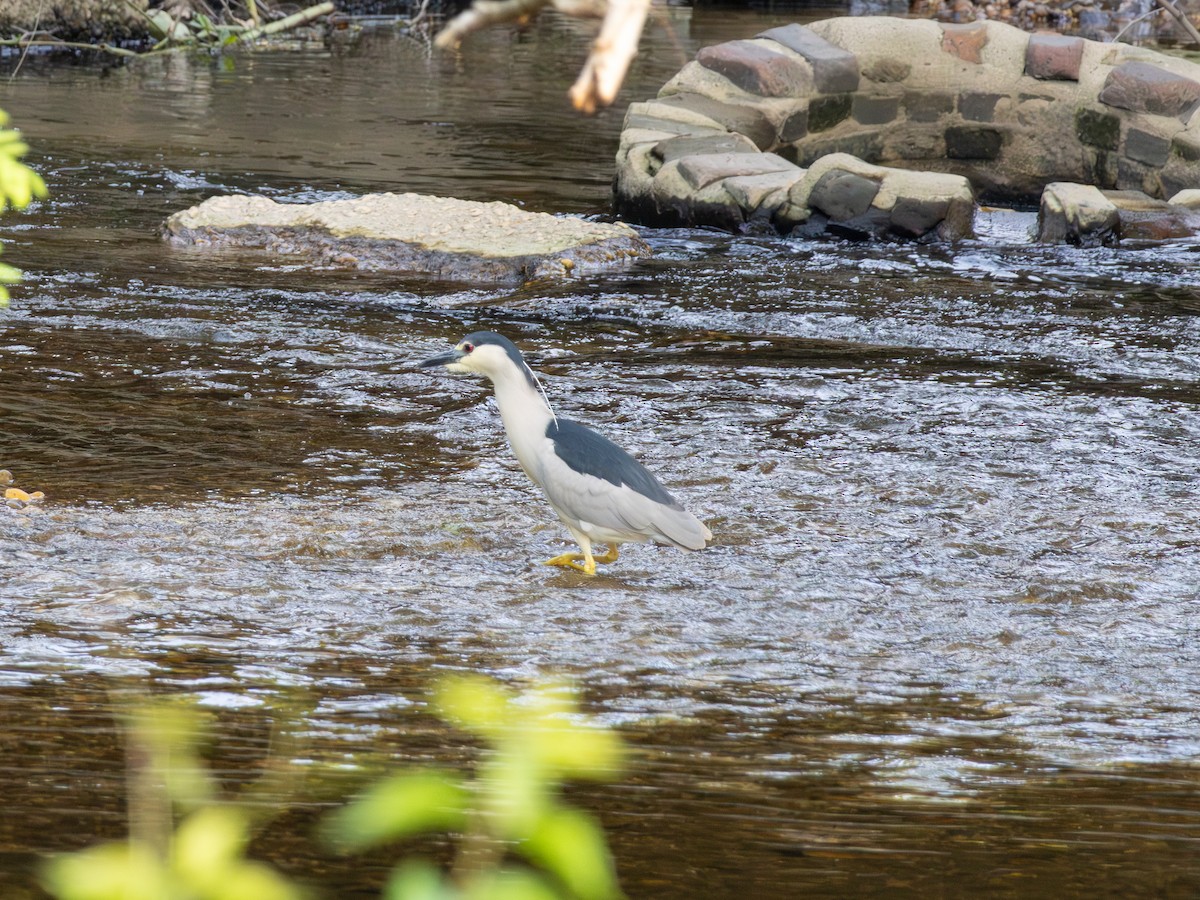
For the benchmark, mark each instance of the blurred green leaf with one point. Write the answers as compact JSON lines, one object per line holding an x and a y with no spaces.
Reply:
{"x":418,"y":879}
{"x":399,"y":807}
{"x":474,"y":704}
{"x":250,"y":880}
{"x":170,"y":732}
{"x":107,"y":872}
{"x":534,"y":741}
{"x":511,"y":884}
{"x":207,"y":843}
{"x":574,"y":750}
{"x":549,"y":700}
{"x":19,"y":185}
{"x":206,"y":864}
{"x":571,"y":844}
{"x":515,"y":793}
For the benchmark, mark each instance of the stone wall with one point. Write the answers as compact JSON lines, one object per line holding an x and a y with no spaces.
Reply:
{"x":730,"y":135}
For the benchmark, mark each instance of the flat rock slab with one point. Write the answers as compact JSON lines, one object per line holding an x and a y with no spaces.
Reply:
{"x":435,"y":237}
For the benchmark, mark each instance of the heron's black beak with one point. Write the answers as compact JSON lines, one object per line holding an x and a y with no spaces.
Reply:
{"x":442,"y":359}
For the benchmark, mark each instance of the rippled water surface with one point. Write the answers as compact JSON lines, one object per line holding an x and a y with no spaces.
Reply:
{"x":945,"y":641}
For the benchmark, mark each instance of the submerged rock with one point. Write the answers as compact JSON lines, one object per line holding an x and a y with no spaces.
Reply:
{"x":1148,"y":220}
{"x":435,"y":237}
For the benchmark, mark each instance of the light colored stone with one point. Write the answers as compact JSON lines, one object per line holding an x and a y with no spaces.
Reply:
{"x":762,"y":194}
{"x":694,"y":78}
{"x":1189,"y":197}
{"x":1077,"y":214}
{"x":905,"y":203}
{"x":632,"y":136}
{"x":663,"y":112}
{"x":1005,"y":52}
{"x":436,"y":237}
{"x":701,"y":171}
{"x":884,"y":37}
{"x":635,"y":153}
{"x":757,"y":121}
{"x":689,"y":145}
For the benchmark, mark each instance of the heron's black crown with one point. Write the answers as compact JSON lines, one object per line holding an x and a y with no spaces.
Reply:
{"x":480,"y":338}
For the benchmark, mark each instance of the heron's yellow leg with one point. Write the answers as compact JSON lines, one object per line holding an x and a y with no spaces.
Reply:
{"x":609,"y":555}
{"x":572,"y":561}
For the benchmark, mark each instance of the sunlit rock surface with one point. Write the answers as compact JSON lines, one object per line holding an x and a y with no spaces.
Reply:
{"x":1077,"y":214}
{"x":437,"y":237}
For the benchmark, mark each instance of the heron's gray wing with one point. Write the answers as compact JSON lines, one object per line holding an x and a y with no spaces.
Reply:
{"x":591,"y":479}
{"x":589,"y":453}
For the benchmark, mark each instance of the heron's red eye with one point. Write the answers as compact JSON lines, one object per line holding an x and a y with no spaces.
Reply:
{"x":467,"y":348}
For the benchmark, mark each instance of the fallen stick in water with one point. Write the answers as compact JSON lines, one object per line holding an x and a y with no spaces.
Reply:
{"x":295,"y":20}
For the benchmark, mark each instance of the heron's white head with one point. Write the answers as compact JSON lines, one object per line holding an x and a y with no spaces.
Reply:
{"x":486,"y":353}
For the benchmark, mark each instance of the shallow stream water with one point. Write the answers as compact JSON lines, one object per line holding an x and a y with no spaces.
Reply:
{"x":945,"y":642}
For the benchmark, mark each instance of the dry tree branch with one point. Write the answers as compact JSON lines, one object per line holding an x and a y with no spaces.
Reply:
{"x":483,"y":14}
{"x":609,"y":58}
{"x":614,"y":49}
{"x":1184,"y":22}
{"x":295,"y":20}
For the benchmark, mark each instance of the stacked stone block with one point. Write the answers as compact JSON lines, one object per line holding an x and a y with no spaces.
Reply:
{"x":1007,"y":111}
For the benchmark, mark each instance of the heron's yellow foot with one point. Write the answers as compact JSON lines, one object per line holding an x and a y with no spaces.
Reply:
{"x":573,"y":561}
{"x":609,"y":555}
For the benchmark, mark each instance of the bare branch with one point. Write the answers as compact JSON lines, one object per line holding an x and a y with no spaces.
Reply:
{"x":582,"y":9}
{"x":295,"y":20}
{"x":613,"y":51}
{"x":608,"y":61}
{"x":1184,"y":22}
{"x":484,"y":13}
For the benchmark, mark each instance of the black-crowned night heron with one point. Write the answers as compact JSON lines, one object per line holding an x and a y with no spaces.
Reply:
{"x":602,"y":494}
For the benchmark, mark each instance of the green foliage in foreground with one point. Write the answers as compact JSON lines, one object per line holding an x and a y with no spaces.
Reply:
{"x":19,"y":185}
{"x":515,"y":837}
{"x":200,"y":858}
{"x":535,"y":741}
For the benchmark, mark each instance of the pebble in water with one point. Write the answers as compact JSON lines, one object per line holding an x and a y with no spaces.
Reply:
{"x":15,"y":497}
